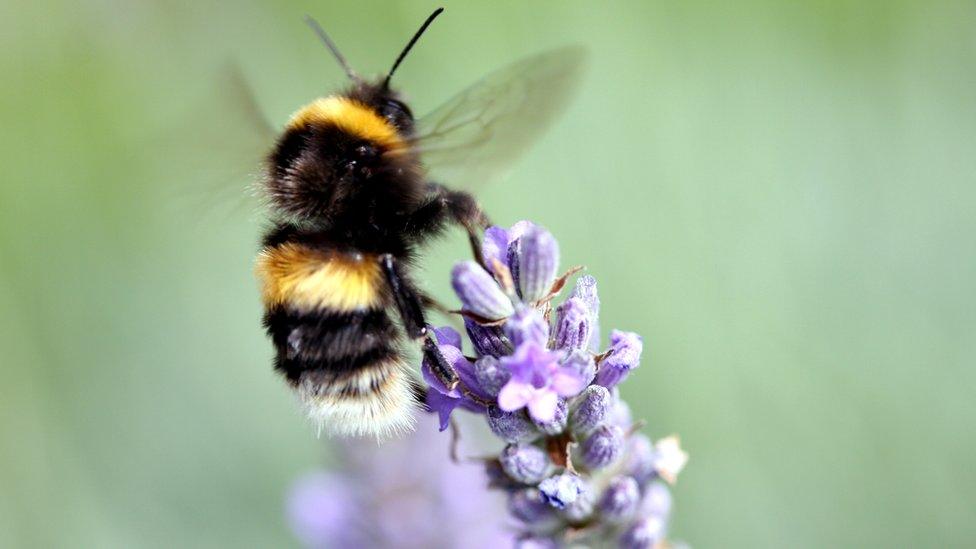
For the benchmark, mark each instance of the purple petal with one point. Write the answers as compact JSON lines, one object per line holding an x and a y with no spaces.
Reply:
{"x":542,"y":406}
{"x":567,"y":383}
{"x":514,"y":395}
{"x":445,"y":335}
{"x":442,"y":405}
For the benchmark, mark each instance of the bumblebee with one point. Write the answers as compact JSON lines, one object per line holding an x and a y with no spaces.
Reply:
{"x":349,"y":186}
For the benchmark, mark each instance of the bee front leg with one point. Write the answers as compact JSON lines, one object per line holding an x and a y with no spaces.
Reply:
{"x":412,"y":315}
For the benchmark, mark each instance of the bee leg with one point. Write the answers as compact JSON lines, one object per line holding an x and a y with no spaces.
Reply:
{"x":412,"y":315}
{"x":462,"y":208}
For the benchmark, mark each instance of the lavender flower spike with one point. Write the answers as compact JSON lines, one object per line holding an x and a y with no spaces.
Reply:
{"x":576,"y":472}
{"x":538,"y":261}
{"x":479,"y":292}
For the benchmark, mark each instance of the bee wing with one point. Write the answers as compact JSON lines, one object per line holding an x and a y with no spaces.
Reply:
{"x":220,"y":142}
{"x":480,"y":133}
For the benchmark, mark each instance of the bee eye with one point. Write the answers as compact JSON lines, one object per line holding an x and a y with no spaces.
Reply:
{"x":396,"y":112}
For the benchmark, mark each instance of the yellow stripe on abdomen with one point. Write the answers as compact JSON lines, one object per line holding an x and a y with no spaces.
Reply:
{"x":292,"y":274}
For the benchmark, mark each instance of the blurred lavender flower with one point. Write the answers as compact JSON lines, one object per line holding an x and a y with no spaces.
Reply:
{"x":409,"y":495}
{"x":576,"y":470}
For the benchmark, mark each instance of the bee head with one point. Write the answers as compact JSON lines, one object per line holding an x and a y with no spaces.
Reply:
{"x":348,"y":150}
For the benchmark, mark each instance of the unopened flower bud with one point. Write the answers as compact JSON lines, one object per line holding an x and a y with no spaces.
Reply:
{"x":558,"y":422}
{"x":525,"y":463}
{"x":487,"y":340}
{"x":581,"y":509}
{"x":538,"y":261}
{"x":657,"y":501}
{"x":643,"y":534}
{"x":590,"y":409}
{"x":603,"y":446}
{"x":511,"y":426}
{"x":530,"y":506}
{"x":536,"y":542}
{"x":640,"y":458}
{"x":620,"y":500}
{"x":574,"y":323}
{"x":562,"y":490}
{"x":582,"y":363}
{"x":490,"y":375}
{"x":478,"y":291}
{"x":585,"y":290}
{"x":625,"y":352}
{"x":527,"y":324}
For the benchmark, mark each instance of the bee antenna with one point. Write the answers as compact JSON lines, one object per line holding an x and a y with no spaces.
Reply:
{"x":332,"y":48}
{"x":406,"y":50}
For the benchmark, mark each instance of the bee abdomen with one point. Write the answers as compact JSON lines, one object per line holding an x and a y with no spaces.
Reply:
{"x":336,"y":345}
{"x":346,"y":368}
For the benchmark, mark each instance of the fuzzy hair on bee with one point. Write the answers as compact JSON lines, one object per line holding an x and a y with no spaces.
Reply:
{"x":351,"y":205}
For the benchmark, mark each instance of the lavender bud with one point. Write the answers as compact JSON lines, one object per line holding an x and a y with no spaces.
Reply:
{"x":494,"y":246}
{"x":525,"y":463}
{"x":625,"y":352}
{"x":527,"y":325}
{"x":590,"y":409}
{"x":603,"y":447}
{"x":490,"y":375}
{"x":643,"y":534}
{"x":558,"y":422}
{"x":511,"y":426}
{"x":538,"y":260}
{"x":582,"y":363}
{"x":497,"y":478}
{"x":487,"y":340}
{"x":657,"y":501}
{"x":562,"y":490}
{"x":581,"y":509}
{"x":529,"y":506}
{"x":619,"y":411}
{"x":536,"y":542}
{"x":640,"y":458}
{"x":586,"y":291}
{"x":574,"y":322}
{"x":479,"y":292}
{"x":620,"y":500}
{"x":513,"y":263}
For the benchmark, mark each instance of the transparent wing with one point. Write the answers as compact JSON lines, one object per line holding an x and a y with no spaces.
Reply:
{"x":480,"y":133}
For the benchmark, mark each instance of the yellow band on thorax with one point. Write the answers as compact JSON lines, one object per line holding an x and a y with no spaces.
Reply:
{"x":351,"y":116}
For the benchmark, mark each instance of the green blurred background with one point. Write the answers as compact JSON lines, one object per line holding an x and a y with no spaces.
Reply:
{"x":781,"y":197}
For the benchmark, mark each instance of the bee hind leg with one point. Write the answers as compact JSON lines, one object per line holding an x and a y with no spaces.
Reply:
{"x":412,"y":314}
